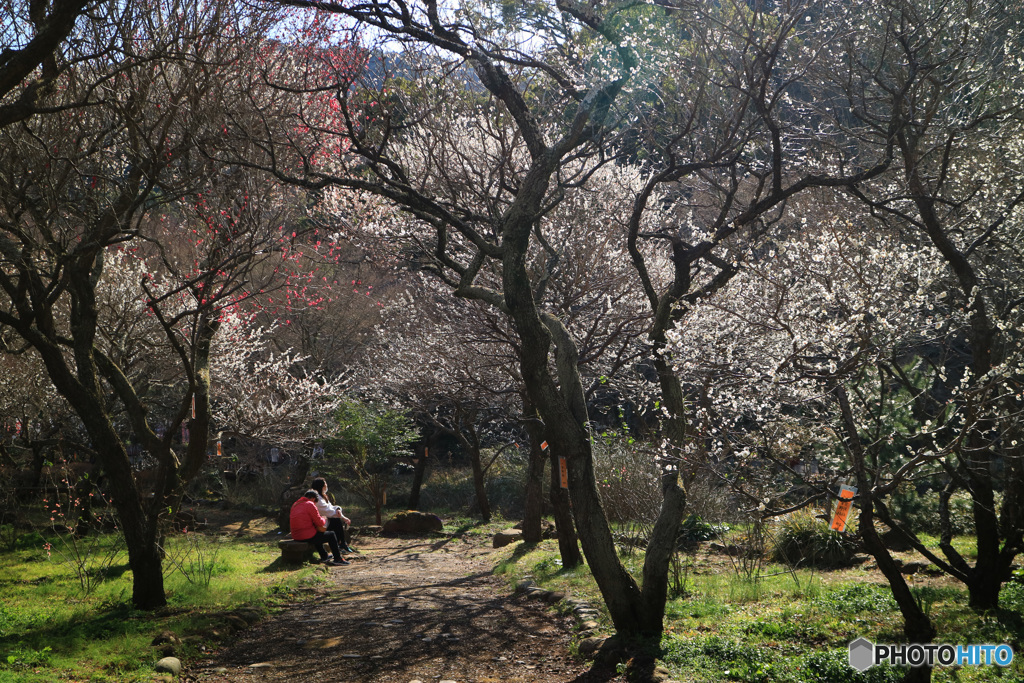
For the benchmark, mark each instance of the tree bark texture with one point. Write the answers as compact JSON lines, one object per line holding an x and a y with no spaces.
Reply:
{"x":568,"y":546}
{"x":419,"y":468}
{"x":533,"y":511}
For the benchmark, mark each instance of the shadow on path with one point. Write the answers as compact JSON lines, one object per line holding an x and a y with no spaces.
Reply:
{"x":407,"y":610}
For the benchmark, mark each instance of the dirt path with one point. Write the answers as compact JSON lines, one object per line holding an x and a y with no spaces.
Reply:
{"x":407,"y":610}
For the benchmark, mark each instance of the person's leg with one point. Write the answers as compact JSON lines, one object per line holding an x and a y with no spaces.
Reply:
{"x":317,"y":540}
{"x":334,"y":524}
{"x":332,"y":540}
{"x":341,"y":531}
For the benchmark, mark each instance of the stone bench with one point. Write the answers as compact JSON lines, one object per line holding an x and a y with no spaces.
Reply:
{"x":296,"y":552}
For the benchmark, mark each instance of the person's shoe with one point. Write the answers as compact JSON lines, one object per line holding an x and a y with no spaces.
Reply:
{"x":339,"y":562}
{"x":349,"y":549}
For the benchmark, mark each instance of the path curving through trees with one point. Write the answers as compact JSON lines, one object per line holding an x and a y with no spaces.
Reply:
{"x":407,"y":610}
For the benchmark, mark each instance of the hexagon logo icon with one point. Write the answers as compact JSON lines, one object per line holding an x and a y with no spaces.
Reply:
{"x":862,"y":654}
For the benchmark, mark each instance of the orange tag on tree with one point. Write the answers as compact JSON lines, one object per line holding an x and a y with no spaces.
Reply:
{"x":846,"y":494}
{"x":563,"y":470}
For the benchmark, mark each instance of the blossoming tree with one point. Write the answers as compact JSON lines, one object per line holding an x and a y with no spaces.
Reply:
{"x":124,"y":248}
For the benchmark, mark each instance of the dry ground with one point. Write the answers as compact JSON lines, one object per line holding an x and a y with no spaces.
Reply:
{"x":407,"y":610}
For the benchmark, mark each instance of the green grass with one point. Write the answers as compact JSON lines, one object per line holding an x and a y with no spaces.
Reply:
{"x":791,"y":626}
{"x":457,"y":523}
{"x":788,"y":627}
{"x":52,"y":629}
{"x":965,"y":545}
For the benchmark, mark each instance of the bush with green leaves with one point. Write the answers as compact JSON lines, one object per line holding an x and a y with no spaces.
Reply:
{"x":803,"y":540}
{"x":367,"y":441}
{"x":693,"y":530}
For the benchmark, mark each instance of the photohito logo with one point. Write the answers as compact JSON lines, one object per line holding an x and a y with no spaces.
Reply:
{"x":864,"y":654}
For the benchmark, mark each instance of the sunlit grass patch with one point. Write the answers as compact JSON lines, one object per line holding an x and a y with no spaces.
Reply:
{"x":51,"y":629}
{"x":790,"y":626}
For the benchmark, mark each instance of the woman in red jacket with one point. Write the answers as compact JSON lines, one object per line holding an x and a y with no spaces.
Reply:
{"x":308,"y":525}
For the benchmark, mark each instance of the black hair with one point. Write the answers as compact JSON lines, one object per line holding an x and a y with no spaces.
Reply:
{"x":319,"y":484}
{"x":312,"y":494}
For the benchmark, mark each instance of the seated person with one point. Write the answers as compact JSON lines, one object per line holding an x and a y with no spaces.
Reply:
{"x":336,"y":519}
{"x":307,"y":525}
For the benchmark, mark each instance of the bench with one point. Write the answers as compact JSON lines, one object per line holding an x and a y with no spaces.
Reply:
{"x":296,"y":552}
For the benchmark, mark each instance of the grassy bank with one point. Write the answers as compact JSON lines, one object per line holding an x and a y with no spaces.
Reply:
{"x":790,"y":626}
{"x":66,"y":613}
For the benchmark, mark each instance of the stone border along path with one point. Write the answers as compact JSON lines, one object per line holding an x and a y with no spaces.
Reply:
{"x":408,"y":610}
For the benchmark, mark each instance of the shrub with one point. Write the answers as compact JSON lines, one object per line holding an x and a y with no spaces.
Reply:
{"x":27,"y":658}
{"x":31,"y":539}
{"x":367,"y":441}
{"x":709,"y":499}
{"x":693,"y":530}
{"x":804,"y":540}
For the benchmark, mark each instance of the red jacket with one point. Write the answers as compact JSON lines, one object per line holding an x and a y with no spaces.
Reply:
{"x":305,"y":519}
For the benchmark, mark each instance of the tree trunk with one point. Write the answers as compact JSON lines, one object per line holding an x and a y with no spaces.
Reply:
{"x":661,"y":546}
{"x":472,"y":445}
{"x":916,"y":625}
{"x":562,"y":407}
{"x":138,"y":525}
{"x":989,"y":571}
{"x":419,"y":466}
{"x":534,"y":504}
{"x":38,"y":462}
{"x":620,"y":591}
{"x":379,"y":489}
{"x":986,"y":581}
{"x":145,"y":561}
{"x":568,"y":547}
